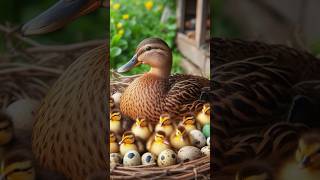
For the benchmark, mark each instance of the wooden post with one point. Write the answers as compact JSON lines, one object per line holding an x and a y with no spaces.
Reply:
{"x":201,"y":16}
{"x":181,"y":7}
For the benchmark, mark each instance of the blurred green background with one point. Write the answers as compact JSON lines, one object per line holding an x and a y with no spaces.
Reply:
{"x":17,"y":12}
{"x":133,"y":21}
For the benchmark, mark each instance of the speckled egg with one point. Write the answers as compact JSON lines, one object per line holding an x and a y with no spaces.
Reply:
{"x":206,"y":150}
{"x":148,"y":158}
{"x":167,"y":158}
{"x":132,"y":158}
{"x":206,"y":130}
{"x":115,"y":157}
{"x":188,"y":153}
{"x":197,"y":138}
{"x":208,"y":141}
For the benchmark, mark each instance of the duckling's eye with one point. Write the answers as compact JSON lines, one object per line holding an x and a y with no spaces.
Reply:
{"x":148,"y":48}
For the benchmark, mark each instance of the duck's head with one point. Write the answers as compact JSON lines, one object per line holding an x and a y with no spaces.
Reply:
{"x":141,"y":122}
{"x":206,"y":109}
{"x":160,"y":137}
{"x":59,"y":15}
{"x":308,"y":151}
{"x":189,"y":119}
{"x":153,"y":52}
{"x":6,"y":129}
{"x":18,"y":165}
{"x":115,"y":115}
{"x":181,"y":131}
{"x":113,"y":137}
{"x":127,"y":138}
{"x":165,"y":120}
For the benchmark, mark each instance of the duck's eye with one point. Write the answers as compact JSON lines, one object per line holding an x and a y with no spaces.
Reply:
{"x":148,"y":48}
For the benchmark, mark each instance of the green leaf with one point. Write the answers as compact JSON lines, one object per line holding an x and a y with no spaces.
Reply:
{"x":115,"y":51}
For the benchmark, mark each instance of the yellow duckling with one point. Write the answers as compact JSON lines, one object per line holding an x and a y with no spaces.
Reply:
{"x":142,"y":129}
{"x":114,"y":146}
{"x":203,"y":117}
{"x":306,"y":161}
{"x":180,"y":138}
{"x":165,"y":125}
{"x":127,"y":143}
{"x":115,"y":121}
{"x":157,"y":143}
{"x":18,"y":166}
{"x":189,"y":122}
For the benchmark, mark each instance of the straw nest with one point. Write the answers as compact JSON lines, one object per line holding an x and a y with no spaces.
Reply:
{"x":195,"y":169}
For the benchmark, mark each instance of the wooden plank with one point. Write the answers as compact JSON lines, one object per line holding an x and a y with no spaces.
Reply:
{"x":190,"y":68}
{"x":188,"y":49}
{"x":202,"y":10}
{"x":181,"y":8}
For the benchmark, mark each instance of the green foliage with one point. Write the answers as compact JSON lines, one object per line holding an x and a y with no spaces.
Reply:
{"x":133,"y":21}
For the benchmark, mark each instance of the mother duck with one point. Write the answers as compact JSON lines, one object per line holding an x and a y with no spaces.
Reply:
{"x":156,"y":91}
{"x":70,"y":129}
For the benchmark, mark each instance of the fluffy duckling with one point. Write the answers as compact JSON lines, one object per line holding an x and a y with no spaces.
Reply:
{"x":203,"y":117}
{"x":115,"y":121}
{"x":165,"y":125}
{"x":180,"y":138}
{"x":18,"y":166}
{"x":306,"y":161}
{"x":114,"y":146}
{"x":142,"y":129}
{"x":189,"y":122}
{"x":127,"y":143}
{"x":157,"y":143}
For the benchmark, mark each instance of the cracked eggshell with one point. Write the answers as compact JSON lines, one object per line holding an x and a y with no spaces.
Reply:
{"x":132,"y":158}
{"x":206,"y":150}
{"x":197,"y":138}
{"x":167,"y":158}
{"x":148,"y":158}
{"x":188,"y":153}
{"x":115,"y":157}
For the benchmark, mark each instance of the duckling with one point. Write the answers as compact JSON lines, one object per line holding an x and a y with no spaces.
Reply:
{"x":142,"y":129}
{"x":165,"y":125}
{"x":305,"y":163}
{"x":157,"y":143}
{"x":189,"y":122}
{"x":114,"y":146}
{"x":18,"y":166}
{"x":115,"y":121}
{"x":203,"y":117}
{"x":180,"y":138}
{"x":116,"y":99}
{"x":127,"y":143}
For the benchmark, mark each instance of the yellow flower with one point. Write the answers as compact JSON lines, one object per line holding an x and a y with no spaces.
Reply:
{"x":121,"y":32}
{"x":125,"y":16}
{"x":116,"y":6}
{"x":119,"y":25}
{"x":148,"y":5}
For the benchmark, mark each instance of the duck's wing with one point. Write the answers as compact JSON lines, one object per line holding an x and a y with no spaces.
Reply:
{"x":184,"y":93}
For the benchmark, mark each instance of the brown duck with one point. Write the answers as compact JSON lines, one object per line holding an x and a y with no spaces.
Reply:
{"x":69,"y":133}
{"x":156,"y":91}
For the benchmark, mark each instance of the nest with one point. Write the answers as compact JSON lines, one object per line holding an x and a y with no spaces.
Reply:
{"x":195,"y":169}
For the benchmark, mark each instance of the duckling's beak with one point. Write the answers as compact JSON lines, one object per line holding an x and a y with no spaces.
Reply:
{"x":59,"y":15}
{"x":129,"y":65}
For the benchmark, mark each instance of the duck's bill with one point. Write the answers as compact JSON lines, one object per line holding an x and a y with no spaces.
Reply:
{"x":129,"y":65}
{"x":59,"y":15}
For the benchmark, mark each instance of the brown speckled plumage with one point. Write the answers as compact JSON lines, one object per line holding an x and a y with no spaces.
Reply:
{"x":69,"y":134}
{"x":150,"y":96}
